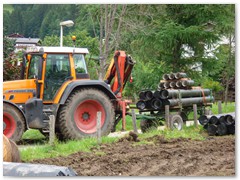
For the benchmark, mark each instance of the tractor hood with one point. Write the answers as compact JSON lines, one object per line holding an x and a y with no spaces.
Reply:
{"x":19,"y":91}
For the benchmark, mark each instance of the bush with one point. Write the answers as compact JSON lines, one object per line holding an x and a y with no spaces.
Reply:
{"x":11,"y":71}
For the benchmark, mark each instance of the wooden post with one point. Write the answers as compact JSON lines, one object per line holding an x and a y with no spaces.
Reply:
{"x":98,"y":127}
{"x":219,"y":107}
{"x":195,"y":115}
{"x":134,"y":121}
{"x":167,"y":116}
{"x":51,"y":130}
{"x":123,"y":115}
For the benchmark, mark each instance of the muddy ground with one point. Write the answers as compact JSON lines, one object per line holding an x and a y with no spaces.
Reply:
{"x":157,"y":156}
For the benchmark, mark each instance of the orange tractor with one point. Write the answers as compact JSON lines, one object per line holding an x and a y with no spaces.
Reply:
{"x":55,"y":81}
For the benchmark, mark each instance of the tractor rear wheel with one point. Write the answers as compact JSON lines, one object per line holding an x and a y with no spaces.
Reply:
{"x":78,"y":116}
{"x":13,"y":122}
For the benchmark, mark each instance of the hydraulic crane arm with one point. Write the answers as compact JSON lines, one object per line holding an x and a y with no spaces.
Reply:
{"x":119,"y":71}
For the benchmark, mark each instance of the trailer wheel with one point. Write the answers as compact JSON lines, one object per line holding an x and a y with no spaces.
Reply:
{"x":78,"y":116}
{"x":147,"y":124}
{"x":176,"y":122}
{"x":13,"y":122}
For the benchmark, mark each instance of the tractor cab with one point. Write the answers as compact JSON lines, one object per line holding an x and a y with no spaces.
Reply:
{"x":44,"y":71}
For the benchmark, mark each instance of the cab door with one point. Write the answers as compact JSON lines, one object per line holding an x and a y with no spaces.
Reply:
{"x":35,"y":71}
{"x":57,"y":71}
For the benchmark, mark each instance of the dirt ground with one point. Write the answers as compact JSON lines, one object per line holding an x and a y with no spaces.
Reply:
{"x":157,"y":156}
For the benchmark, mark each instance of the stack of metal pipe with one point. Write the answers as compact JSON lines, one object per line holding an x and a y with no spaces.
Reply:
{"x":175,"y":90}
{"x":175,"y":81}
{"x":221,"y":124}
{"x":156,"y":100}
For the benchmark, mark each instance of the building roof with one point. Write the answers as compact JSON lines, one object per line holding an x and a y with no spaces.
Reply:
{"x":57,"y":49}
{"x":15,"y":35}
{"x":27,"y":41}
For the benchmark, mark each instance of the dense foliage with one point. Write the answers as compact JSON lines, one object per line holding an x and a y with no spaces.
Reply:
{"x":196,"y":38}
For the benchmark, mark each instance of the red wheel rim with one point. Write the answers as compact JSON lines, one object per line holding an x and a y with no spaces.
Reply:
{"x":85,"y":116}
{"x":10,"y":125}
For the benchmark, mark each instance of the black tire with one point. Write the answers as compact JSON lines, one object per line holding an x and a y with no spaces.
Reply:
{"x":13,"y":123}
{"x":147,"y":124}
{"x":77,"y":117}
{"x":176,"y":122}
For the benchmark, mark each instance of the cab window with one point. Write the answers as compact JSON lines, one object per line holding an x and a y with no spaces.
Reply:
{"x":33,"y":67}
{"x":79,"y":62}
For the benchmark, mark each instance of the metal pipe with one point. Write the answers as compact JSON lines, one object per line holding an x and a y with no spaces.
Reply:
{"x":190,"y":101}
{"x":212,"y":129}
{"x":179,"y":84}
{"x":141,"y":104}
{"x":203,"y":120}
{"x":156,"y":94}
{"x":156,"y":103}
{"x":171,"y":76}
{"x":187,"y":83}
{"x":166,"y":77}
{"x":184,"y":93}
{"x":166,"y":85}
{"x":180,"y":75}
{"x":142,"y":95}
{"x":214,"y":120}
{"x":222,"y":129}
{"x":161,"y":85}
{"x":148,"y":95}
{"x":231,"y":129}
{"x":172,"y":84}
{"x":229,"y":119}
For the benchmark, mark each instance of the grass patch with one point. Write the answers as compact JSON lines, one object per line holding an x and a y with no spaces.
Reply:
{"x":229,"y":107}
{"x":61,"y":148}
{"x":33,"y":134}
{"x":191,"y":132}
{"x":129,"y":124}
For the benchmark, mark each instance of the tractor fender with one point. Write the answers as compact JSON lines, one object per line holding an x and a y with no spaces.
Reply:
{"x":18,"y":108}
{"x":87,"y":84}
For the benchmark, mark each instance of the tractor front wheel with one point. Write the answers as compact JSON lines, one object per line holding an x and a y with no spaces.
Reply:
{"x":78,"y":117}
{"x":13,"y":122}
